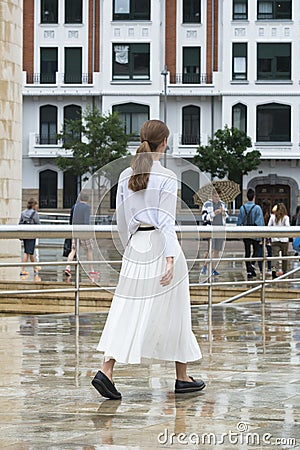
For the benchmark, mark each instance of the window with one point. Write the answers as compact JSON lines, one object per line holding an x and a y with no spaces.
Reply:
{"x":189,"y":186}
{"x":274,"y":61}
{"x":48,"y":124}
{"x":48,"y":189}
{"x":133,"y":116}
{"x":274,"y":9}
{"x":73,"y":11}
{"x":273,"y":123}
{"x":239,"y":61}
{"x":131,"y":61}
{"x":49,"y":11}
{"x":70,"y":189}
{"x":73,"y":65}
{"x":48,"y":65}
{"x":190,"y":125}
{"x":131,"y":10}
{"x":240,"y":10}
{"x":72,"y":112}
{"x":191,"y":11}
{"x":239,"y":117}
{"x":191,"y":65}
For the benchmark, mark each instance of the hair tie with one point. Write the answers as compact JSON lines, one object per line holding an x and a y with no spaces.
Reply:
{"x":145,"y":140}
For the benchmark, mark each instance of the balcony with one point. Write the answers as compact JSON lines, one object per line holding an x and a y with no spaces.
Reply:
{"x":185,"y":145}
{"x":59,"y":78}
{"x":191,"y":78}
{"x":45,"y":146}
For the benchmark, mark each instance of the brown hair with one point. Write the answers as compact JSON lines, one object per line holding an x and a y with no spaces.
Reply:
{"x":31,"y":202}
{"x":152,"y":134}
{"x":279,"y":212}
{"x":266,"y":205}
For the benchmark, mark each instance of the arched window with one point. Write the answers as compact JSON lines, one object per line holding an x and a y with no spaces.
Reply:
{"x":72,"y":112}
{"x":239,"y":117}
{"x":133,"y":115}
{"x":273,"y":123}
{"x":189,"y":186}
{"x":48,"y":124}
{"x":190,"y":125}
{"x":48,"y":189}
{"x":69,"y":189}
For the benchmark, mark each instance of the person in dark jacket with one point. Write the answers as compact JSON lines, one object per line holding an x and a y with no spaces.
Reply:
{"x":30,"y":216}
{"x":254,"y":214}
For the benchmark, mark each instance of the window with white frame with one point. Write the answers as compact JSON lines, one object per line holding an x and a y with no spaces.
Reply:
{"x":274,"y":61}
{"x":240,"y":10}
{"x":131,"y":9}
{"x":239,"y":61}
{"x":131,"y":61}
{"x":274,"y":9}
{"x":239,"y":117}
{"x":273,"y":123}
{"x":132,"y":115}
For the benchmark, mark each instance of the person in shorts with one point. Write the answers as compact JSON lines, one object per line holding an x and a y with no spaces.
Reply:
{"x":80,"y":215}
{"x":29,"y":216}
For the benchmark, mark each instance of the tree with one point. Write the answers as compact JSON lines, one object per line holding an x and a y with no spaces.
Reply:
{"x":226,"y":155}
{"x":95,"y":140}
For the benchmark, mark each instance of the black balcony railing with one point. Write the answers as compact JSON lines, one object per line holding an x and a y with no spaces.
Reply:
{"x":191,"y":78}
{"x":50,"y":78}
{"x":190,"y":139}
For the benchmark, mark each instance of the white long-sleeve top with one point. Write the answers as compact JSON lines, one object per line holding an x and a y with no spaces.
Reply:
{"x":285,"y":222}
{"x":155,"y":205}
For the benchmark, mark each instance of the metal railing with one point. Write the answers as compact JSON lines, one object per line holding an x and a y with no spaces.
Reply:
{"x":189,"y":231}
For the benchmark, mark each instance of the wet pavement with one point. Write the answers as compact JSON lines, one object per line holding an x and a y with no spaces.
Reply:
{"x":251,"y":365}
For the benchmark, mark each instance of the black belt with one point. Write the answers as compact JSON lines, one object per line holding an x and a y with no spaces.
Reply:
{"x":146,"y":228}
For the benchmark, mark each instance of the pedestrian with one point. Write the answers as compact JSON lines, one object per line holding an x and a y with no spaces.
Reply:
{"x":280,"y":218}
{"x":214,"y":212}
{"x":266,"y":210}
{"x":296,"y":218}
{"x":251,"y":215}
{"x":28,"y":217}
{"x":80,"y":215}
{"x":150,"y":314}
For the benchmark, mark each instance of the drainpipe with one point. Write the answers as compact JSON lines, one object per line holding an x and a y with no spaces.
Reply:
{"x":93,"y":43}
{"x":212,"y":65}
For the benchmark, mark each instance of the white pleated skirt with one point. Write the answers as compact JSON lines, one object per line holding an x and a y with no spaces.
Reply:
{"x":147,"y":320}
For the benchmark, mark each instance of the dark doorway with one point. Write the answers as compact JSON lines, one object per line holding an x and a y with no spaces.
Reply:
{"x":70,"y":189}
{"x":48,"y":189}
{"x":277,"y":193}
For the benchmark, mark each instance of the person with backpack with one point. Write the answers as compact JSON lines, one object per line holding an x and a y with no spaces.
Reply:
{"x":251,"y":215}
{"x":29,"y":217}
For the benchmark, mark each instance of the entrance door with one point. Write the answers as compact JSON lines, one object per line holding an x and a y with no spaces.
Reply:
{"x":278,"y":193}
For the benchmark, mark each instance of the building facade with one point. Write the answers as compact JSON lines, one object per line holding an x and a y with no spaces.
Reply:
{"x":199,"y":64}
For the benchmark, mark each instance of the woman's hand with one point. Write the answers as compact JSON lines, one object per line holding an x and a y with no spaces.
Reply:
{"x":167,"y":277}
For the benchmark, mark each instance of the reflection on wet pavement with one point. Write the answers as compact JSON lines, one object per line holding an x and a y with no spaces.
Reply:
{"x":250,"y":365}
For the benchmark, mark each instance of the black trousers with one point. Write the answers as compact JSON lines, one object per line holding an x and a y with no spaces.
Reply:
{"x":255,"y":252}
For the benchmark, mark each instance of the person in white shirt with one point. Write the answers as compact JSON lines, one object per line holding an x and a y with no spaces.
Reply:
{"x":150,"y":315}
{"x":279,"y":217}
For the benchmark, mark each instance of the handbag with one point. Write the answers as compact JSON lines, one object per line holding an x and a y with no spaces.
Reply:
{"x":67,"y":247}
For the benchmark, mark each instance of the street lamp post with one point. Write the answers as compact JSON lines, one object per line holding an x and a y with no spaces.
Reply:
{"x":164,"y":73}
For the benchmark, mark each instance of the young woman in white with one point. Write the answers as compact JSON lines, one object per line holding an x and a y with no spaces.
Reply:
{"x":279,"y":217}
{"x":150,"y":315}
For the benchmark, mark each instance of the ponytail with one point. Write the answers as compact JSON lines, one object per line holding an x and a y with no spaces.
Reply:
{"x":141,"y":166}
{"x":153,"y":133}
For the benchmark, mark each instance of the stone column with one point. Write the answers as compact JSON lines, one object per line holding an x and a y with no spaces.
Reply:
{"x":11,"y":23}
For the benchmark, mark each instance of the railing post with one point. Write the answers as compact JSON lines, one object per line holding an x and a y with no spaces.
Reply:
{"x":263,"y":286}
{"x":77,"y":278}
{"x":210,"y":294}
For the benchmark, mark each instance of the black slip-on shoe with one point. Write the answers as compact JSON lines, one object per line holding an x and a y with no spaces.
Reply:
{"x":182,"y":387}
{"x":105,"y":387}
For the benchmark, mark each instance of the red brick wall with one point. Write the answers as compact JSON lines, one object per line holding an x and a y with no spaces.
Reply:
{"x":170,"y":56}
{"x":28,"y":38}
{"x":97,"y":36}
{"x":216,"y":35}
{"x":210,"y":66}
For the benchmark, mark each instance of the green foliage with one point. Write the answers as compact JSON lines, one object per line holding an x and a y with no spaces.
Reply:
{"x":226,"y":155}
{"x":94,"y":139}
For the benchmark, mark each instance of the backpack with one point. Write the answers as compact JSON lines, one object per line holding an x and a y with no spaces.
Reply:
{"x":246,"y":221}
{"x":29,"y":221}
